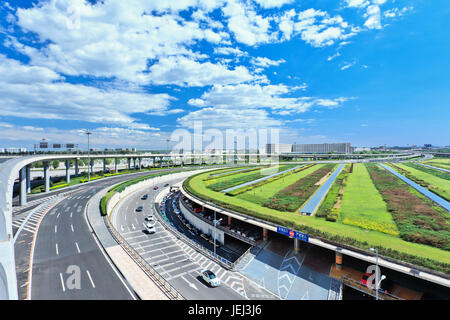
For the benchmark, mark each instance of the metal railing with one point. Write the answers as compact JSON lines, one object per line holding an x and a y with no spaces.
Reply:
{"x":358,"y":286}
{"x":227,"y":231}
{"x":220,"y":260}
{"x":165,"y":286}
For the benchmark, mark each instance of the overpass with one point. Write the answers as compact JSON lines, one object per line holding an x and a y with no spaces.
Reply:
{"x":13,"y":166}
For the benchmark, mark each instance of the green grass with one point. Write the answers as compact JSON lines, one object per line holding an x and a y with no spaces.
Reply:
{"x":417,"y":218}
{"x":362,"y":204}
{"x":261,"y":194}
{"x":295,"y":195}
{"x":433,"y":183}
{"x":223,"y":183}
{"x":389,"y":245}
{"x":439,"y":162}
{"x":326,"y":209}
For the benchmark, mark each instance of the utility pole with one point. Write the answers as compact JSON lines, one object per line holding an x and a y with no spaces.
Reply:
{"x":88,"y":133}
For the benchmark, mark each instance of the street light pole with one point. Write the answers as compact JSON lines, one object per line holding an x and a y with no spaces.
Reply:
{"x":376,"y":271}
{"x":88,"y":133}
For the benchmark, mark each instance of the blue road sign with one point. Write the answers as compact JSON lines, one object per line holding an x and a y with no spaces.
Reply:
{"x":293,"y":234}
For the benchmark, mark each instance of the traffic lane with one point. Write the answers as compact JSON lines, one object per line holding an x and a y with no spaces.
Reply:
{"x":98,"y":183}
{"x":162,"y":252}
{"x":60,"y":248}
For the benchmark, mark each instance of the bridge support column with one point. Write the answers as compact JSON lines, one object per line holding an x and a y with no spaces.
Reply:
{"x":116,"y":160}
{"x":28,"y":178}
{"x":265,"y":235}
{"x":47,"y":175}
{"x":338,"y":260}
{"x":23,"y":186}
{"x":140,"y":163}
{"x":67,"y":162}
{"x":76,"y":168}
{"x":92,"y":166}
{"x":104,"y":165}
{"x":296,"y":245}
{"x":160,"y":162}
{"x":230,"y":220}
{"x":134,"y":163}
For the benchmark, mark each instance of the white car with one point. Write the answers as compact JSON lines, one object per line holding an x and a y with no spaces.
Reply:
{"x":210,"y":278}
{"x":150,"y":228}
{"x":149,"y":217}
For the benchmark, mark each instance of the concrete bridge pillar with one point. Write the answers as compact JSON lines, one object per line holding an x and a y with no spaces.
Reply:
{"x":104,"y":165}
{"x":140,"y":163}
{"x":296,"y":245}
{"x":76,"y":168}
{"x":134,"y":164}
{"x":230,"y":220}
{"x":265,"y":234}
{"x":116,"y":160}
{"x":129,"y":163}
{"x":28,"y":178}
{"x":67,"y":162}
{"x":338,"y":260}
{"x":47,"y":175}
{"x":92,"y":166}
{"x":160,"y":161}
{"x":23,"y":186}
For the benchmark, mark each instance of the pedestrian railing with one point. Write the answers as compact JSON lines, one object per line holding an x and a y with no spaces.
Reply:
{"x":358,"y":286}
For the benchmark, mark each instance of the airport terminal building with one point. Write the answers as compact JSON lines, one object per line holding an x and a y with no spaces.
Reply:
{"x":345,"y":147}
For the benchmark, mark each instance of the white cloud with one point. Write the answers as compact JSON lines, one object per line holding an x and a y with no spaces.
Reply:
{"x":225,"y":118}
{"x":256,"y":96}
{"x":373,"y":15}
{"x":266,"y":62}
{"x":182,"y":71}
{"x":39,"y":93}
{"x":266,"y":4}
{"x":357,"y":3}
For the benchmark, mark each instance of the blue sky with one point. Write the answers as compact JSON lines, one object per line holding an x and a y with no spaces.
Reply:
{"x":369,"y":72}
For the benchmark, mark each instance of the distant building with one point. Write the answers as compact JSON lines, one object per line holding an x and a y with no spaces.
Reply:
{"x":427,"y":145}
{"x":278,"y":148}
{"x":360,"y":149}
{"x":13,"y":150}
{"x":323,"y":148}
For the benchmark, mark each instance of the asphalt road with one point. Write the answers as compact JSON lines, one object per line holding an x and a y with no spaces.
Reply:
{"x":62,"y":240}
{"x":177,"y":262}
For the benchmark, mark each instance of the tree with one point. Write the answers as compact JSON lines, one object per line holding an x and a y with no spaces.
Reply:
{"x":55,"y":164}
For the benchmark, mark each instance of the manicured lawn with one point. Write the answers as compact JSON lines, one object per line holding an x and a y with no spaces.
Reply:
{"x":223,"y":183}
{"x":362,"y":204}
{"x":261,"y":194}
{"x":417,"y":218}
{"x":439,"y":162}
{"x":438,"y":185}
{"x":350,"y":235}
{"x":295,"y":195}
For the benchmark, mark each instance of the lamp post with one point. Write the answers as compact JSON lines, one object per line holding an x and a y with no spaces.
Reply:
{"x":88,"y":133}
{"x":376,"y":272}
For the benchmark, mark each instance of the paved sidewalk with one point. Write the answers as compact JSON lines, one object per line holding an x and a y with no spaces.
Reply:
{"x":144,"y":287}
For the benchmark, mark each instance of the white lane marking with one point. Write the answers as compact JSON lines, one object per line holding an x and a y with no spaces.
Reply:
{"x":56,"y":228}
{"x":78,"y":248}
{"x":58,"y":215}
{"x":89,"y":275}
{"x":134,"y":228}
{"x":71,"y":227}
{"x":71,"y":214}
{"x":62,"y":282}
{"x":57,"y":253}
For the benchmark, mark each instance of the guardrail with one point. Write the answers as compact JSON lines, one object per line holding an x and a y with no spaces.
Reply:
{"x":358,"y":286}
{"x":220,"y":260}
{"x":227,"y":231}
{"x":165,"y":286}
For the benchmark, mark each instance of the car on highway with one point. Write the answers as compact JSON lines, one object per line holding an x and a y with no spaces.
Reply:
{"x":155,"y":188}
{"x":139,"y":209}
{"x":150,"y":228}
{"x":149,"y":217}
{"x":144,"y":197}
{"x":166,"y":185}
{"x":210,"y":278}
